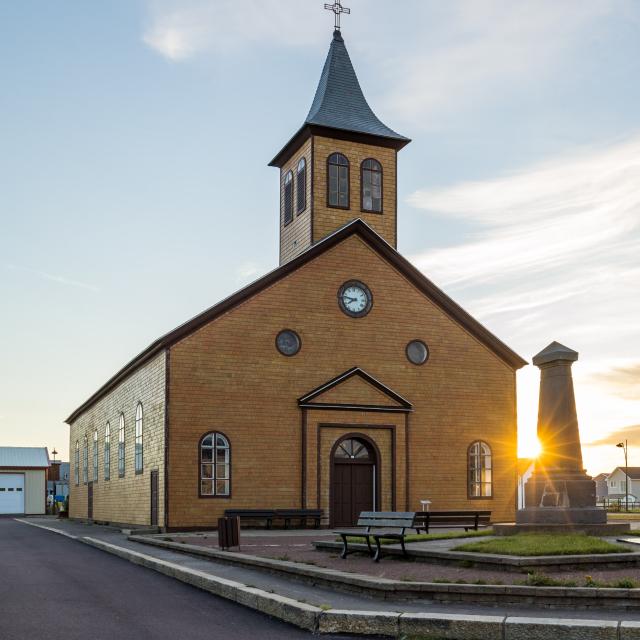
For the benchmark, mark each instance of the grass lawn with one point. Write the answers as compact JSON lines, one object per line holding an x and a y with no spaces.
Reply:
{"x":419,"y":537}
{"x":623,"y":516}
{"x":541,"y":544}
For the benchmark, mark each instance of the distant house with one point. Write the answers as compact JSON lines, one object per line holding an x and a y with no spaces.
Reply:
{"x":23,"y":480}
{"x":602,"y":488}
{"x":58,"y":479}
{"x":616,"y":483}
{"x":525,"y":469}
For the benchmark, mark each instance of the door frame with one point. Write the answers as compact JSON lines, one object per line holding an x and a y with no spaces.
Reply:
{"x":90,"y":500}
{"x":376,"y":465}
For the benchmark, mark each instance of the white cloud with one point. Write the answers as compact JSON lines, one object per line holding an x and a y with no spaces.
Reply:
{"x":180,"y":29}
{"x":54,"y":278}
{"x":554,"y":256}
{"x":477,"y":51}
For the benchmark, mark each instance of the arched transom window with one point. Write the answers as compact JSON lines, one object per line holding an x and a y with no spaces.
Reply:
{"x":301,"y":186}
{"x":338,"y":181}
{"x":480,"y":480}
{"x":138,"y":440}
{"x":372,"y":186}
{"x":288,"y":198}
{"x":352,"y":449}
{"x":215,"y":465}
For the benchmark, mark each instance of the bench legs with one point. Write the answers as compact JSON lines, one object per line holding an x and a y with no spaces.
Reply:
{"x":345,"y":550}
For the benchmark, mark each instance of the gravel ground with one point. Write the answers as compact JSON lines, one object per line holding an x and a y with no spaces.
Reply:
{"x":299,"y":548}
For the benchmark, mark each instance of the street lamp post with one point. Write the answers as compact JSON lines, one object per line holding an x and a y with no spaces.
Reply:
{"x":624,"y":445}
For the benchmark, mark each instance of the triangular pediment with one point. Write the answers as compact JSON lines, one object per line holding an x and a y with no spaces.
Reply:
{"x":355,"y":389}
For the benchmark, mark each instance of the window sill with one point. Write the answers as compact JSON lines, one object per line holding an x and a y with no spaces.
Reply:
{"x":337,"y":206}
{"x":139,"y":472}
{"x":215,"y":497}
{"x":377,"y":213}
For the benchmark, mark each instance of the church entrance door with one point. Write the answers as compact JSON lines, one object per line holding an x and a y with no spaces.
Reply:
{"x":353,"y":480}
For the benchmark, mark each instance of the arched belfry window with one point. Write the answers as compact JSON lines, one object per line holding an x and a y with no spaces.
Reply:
{"x":301,"y":186}
{"x":338,"y":181}
{"x":215,"y":465}
{"x":371,"y":180}
{"x":480,"y":470}
{"x":288,"y":198}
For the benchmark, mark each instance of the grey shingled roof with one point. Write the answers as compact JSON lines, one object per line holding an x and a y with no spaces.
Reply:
{"x":24,"y":457}
{"x":339,"y":101}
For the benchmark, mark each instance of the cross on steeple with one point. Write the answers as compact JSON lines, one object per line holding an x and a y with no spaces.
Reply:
{"x":337,"y":9}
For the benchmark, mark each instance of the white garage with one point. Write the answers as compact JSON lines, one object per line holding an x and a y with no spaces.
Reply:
{"x":23,"y":480}
{"x":11,"y":493}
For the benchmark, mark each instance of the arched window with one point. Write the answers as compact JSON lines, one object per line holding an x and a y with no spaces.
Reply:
{"x":138,"y":441}
{"x":288,"y":198}
{"x":480,"y":470}
{"x":77,"y":463}
{"x":107,"y":452}
{"x":371,"y":179}
{"x":352,"y":449}
{"x":301,"y":186}
{"x":121,"y":446}
{"x":95,"y":455}
{"x":85,"y":460}
{"x":215,"y":465}
{"x":338,"y":181}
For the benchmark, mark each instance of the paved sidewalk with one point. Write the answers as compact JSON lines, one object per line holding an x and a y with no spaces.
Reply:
{"x":315,"y":595}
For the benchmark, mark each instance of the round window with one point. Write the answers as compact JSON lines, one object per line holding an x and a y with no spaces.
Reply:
{"x":288,"y":342}
{"x":417,"y":352}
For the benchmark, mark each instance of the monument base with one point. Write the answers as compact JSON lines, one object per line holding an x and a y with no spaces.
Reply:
{"x":603,"y":529}
{"x":565,"y":516}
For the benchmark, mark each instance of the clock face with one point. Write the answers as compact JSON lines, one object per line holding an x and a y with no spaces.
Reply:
{"x":355,"y":299}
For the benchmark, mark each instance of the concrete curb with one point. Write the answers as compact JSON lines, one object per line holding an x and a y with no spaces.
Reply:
{"x":300,"y":614}
{"x":384,"y":588}
{"x":505,"y":563}
{"x":382,"y":623}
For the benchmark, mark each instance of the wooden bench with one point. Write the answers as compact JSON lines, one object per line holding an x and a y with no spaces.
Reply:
{"x":252,"y":514}
{"x":379,"y":525}
{"x":302,"y":514}
{"x":426,"y":520}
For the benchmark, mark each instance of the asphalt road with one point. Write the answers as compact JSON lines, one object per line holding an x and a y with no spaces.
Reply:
{"x":52,"y":587}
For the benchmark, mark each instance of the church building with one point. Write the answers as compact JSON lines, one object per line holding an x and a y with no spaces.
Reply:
{"x":343,"y":380}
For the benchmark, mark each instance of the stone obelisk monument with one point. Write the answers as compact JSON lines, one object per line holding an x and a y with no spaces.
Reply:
{"x":560,"y":496}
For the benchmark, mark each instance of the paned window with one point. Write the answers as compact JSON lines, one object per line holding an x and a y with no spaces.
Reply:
{"x":215,"y":465}
{"x":138,"y":441}
{"x":85,"y":460}
{"x":288,"y":198}
{"x":107,"y":452}
{"x":121,"y":446}
{"x":95,"y":455}
{"x":301,"y":186}
{"x":352,"y":449}
{"x":338,"y":181}
{"x":480,"y":482}
{"x":77,"y":463}
{"x":372,"y":186}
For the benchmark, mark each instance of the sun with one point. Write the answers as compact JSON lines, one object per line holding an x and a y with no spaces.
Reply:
{"x":529,"y":446}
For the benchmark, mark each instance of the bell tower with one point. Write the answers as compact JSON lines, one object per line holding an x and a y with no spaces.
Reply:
{"x":341,"y":164}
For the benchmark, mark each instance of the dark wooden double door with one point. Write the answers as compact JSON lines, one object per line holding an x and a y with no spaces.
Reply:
{"x":352,"y":492}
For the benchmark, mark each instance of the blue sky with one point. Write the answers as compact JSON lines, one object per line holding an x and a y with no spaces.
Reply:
{"x":135,"y":187}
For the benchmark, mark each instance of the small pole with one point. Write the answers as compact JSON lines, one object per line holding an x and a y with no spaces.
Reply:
{"x":626,"y":477}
